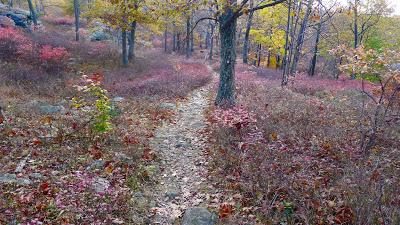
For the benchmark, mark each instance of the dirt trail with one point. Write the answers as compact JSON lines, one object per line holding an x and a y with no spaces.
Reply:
{"x":181,"y":148}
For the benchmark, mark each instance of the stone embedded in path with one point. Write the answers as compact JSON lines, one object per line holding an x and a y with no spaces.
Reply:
{"x":167,"y":105}
{"x":198,"y":216}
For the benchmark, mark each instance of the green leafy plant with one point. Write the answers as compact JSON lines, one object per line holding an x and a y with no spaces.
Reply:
{"x":94,"y":101}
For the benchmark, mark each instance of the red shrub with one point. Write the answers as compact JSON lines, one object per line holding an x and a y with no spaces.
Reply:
{"x":66,"y":21}
{"x":13,"y":44}
{"x":53,"y":58}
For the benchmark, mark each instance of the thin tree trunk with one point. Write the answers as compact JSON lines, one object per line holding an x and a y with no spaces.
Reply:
{"x":124,"y":52}
{"x":300,"y":37}
{"x":187,"y":37}
{"x":210,"y":57}
{"x":226,"y":87}
{"x":285,"y":55}
{"x":313,"y":63}
{"x":165,"y":39}
{"x":355,"y":31}
{"x":245,"y":52}
{"x":178,"y":41}
{"x":132,"y":37}
{"x":77,"y":15}
{"x":259,"y":55}
{"x":174,"y":42}
{"x":10,"y":3}
{"x":293,"y":30}
{"x":191,"y":35}
{"x":33,"y":12}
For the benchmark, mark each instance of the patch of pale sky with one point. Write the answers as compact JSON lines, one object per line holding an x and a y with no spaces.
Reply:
{"x":395,"y":4}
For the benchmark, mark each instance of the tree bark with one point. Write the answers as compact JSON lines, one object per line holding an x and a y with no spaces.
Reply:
{"x":210,"y":57}
{"x":313,"y":63}
{"x":124,"y":52}
{"x":178,"y":41}
{"x":165,"y":39}
{"x":33,"y":12}
{"x":77,"y":15}
{"x":188,"y":52}
{"x":300,"y":37}
{"x":285,"y":55}
{"x":132,"y":40}
{"x":259,"y":55}
{"x":226,"y":87}
{"x":245,"y":52}
{"x":355,"y":31}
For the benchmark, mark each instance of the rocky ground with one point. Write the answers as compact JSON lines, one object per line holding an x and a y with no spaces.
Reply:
{"x":183,"y":191}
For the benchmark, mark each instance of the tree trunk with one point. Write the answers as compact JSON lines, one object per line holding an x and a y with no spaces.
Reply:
{"x":10,"y":3}
{"x":293,"y":29}
{"x":226,"y":87}
{"x":165,"y":39}
{"x":77,"y":14}
{"x":174,"y":42}
{"x":259,"y":55}
{"x":210,"y":57}
{"x":191,"y":35}
{"x":33,"y":12}
{"x":355,"y":31}
{"x":245,"y":52}
{"x":188,"y":37}
{"x":132,"y":37}
{"x":178,"y":41}
{"x":300,"y":37}
{"x":285,"y":55}
{"x":124,"y":52}
{"x":313,"y":63}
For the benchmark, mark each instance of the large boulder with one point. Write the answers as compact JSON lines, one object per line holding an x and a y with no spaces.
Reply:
{"x":20,"y":17}
{"x":198,"y":216}
{"x":99,"y":32}
{"x":6,"y":22}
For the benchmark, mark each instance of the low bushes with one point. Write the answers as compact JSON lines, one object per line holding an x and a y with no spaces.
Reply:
{"x":286,"y":157}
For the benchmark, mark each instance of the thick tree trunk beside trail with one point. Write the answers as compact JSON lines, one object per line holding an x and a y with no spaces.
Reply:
{"x":226,"y":94}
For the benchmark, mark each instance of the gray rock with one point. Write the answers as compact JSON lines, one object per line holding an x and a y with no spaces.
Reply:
{"x":6,"y":22}
{"x":100,"y":185}
{"x":45,"y":108}
{"x":97,"y":164}
{"x":37,"y":176}
{"x":198,"y":216}
{"x":167,"y":105}
{"x":51,"y":109}
{"x":118,"y":99}
{"x":100,"y":34}
{"x":122,"y":157}
{"x":23,"y":181}
{"x":12,"y":178}
{"x":171,"y":194}
{"x":7,"y":178}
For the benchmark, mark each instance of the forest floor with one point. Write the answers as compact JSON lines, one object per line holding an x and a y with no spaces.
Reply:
{"x":283,"y":155}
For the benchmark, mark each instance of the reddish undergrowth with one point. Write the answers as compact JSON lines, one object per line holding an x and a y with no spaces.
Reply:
{"x":292,"y":155}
